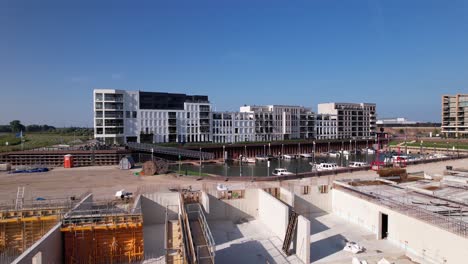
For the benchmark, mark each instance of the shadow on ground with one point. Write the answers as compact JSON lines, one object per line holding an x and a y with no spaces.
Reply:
{"x":326,"y":247}
{"x":245,"y":252}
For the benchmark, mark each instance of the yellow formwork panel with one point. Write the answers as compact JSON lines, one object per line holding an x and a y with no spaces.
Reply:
{"x":20,"y":234}
{"x":119,"y":244}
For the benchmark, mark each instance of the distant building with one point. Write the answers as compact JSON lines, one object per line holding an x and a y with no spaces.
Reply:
{"x":455,"y":115}
{"x":281,"y":122}
{"x":233,"y":127}
{"x":326,"y":126}
{"x":151,"y":117}
{"x":398,"y":121}
{"x":354,"y":120}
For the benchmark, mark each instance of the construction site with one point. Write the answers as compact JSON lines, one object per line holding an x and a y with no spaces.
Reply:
{"x":395,"y":218}
{"x":118,"y":214}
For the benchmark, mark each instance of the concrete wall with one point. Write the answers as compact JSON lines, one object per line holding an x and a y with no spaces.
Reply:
{"x":286,"y":196}
{"x":205,"y":202}
{"x":314,"y":203}
{"x":423,"y":242}
{"x":48,"y":249}
{"x":153,"y":209}
{"x":273,"y":213}
{"x":235,"y":209}
{"x":153,"y":206}
{"x":303,"y":239}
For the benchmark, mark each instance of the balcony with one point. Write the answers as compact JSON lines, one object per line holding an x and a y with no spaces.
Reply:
{"x":113,"y":97}
{"x":114,"y":122}
{"x":116,"y":114}
{"x":113,"y":106}
{"x":114,"y":131}
{"x":98,"y":106}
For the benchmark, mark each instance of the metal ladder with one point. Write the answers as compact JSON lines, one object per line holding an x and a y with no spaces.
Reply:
{"x":290,"y":232}
{"x":19,"y":198}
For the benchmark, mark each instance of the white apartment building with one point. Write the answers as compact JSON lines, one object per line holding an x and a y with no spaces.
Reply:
{"x":233,"y":127}
{"x":281,"y":122}
{"x":455,"y":115}
{"x":150,"y":117}
{"x":355,"y":120}
{"x":326,"y":126}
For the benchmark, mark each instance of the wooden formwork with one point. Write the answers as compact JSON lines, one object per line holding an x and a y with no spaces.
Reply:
{"x":20,"y":229}
{"x":175,"y":243}
{"x":108,"y":239}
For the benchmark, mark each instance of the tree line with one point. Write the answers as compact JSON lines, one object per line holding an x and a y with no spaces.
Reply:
{"x":15,"y":126}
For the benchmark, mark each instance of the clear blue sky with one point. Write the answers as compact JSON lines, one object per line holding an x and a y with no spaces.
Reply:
{"x":402,"y":55}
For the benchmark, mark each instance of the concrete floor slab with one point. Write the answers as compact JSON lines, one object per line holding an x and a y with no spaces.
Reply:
{"x":248,"y":242}
{"x":328,"y":240}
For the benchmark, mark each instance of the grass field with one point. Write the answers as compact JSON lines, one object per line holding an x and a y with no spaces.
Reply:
{"x":192,"y":173}
{"x":440,"y":144}
{"x":36,"y":140}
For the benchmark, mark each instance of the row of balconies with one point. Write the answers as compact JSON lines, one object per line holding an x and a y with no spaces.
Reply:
{"x":108,"y":106}
{"x":111,"y":114}
{"x":110,"y":122}
{"x":109,"y":97}
{"x":110,"y":131}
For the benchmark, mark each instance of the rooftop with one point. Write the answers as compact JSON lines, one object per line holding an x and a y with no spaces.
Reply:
{"x":444,"y":204}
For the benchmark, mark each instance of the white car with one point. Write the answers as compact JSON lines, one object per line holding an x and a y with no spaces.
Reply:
{"x":281,"y":172}
{"x":356,"y":164}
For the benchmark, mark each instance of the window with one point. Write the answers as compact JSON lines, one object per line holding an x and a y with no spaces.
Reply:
{"x":188,"y":114}
{"x":127,"y":114}
{"x":134,"y":114}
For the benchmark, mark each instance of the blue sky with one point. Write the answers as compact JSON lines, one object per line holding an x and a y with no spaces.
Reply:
{"x":402,"y":55}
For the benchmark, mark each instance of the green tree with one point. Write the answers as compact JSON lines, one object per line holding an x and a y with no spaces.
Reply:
{"x":16,"y":126}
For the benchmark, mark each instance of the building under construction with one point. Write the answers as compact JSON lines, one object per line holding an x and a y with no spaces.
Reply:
{"x":161,"y":225}
{"x":419,"y":218}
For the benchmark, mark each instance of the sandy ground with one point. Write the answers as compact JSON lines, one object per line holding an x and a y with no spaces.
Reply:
{"x":105,"y":181}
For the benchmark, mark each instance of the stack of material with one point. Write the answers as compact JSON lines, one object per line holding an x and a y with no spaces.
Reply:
{"x":126,"y":163}
{"x":155,"y":167}
{"x":5,"y":166}
{"x":387,"y":172}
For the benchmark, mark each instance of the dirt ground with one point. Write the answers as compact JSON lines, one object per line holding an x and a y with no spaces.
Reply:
{"x":105,"y":181}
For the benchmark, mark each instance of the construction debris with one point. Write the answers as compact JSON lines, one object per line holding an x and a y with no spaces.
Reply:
{"x":353,"y":247}
{"x":155,"y":167}
{"x":5,"y":166}
{"x":386,"y":172}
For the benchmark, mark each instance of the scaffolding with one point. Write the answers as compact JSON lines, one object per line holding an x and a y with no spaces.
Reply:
{"x":22,"y":223}
{"x":174,"y":237}
{"x":199,"y":242}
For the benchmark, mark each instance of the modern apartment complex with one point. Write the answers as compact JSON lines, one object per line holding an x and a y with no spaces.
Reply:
{"x":326,"y":126}
{"x":152,"y":117}
{"x":354,"y":120}
{"x":455,"y":115}
{"x":232,"y":127}
{"x":281,"y":122}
